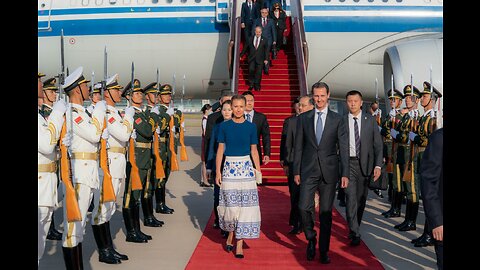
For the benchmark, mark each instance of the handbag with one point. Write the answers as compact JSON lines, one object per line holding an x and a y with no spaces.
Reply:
{"x":265,"y":69}
{"x":382,"y":181}
{"x":258,"y":176}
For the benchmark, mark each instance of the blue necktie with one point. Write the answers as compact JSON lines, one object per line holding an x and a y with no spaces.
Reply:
{"x":319,"y":129}
{"x":248,"y":117}
{"x":357,"y":138}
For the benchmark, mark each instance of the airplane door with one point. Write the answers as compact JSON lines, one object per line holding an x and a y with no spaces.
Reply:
{"x":44,"y":14}
{"x":221,"y":11}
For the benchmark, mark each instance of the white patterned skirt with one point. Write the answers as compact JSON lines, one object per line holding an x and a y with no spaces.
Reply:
{"x":238,"y":208}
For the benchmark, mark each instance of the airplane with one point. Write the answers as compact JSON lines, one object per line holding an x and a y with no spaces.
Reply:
{"x":349,"y":43}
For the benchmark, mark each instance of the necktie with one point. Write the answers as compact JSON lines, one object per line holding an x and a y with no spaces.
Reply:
{"x":256,"y":43}
{"x":263,"y":23}
{"x":250,"y":6}
{"x":357,"y":137}
{"x":248,"y":117}
{"x":319,"y":128}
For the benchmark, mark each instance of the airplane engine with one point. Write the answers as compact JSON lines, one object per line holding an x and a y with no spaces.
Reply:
{"x":422,"y":59}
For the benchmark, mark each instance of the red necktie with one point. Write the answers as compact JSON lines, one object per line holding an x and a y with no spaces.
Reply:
{"x":263,"y":23}
{"x":258,"y":40}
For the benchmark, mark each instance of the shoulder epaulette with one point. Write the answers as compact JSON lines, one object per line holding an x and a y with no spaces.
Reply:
{"x":74,"y":110}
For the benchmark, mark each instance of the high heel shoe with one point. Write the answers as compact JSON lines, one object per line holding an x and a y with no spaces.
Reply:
{"x":239,"y":256}
{"x":229,"y":247}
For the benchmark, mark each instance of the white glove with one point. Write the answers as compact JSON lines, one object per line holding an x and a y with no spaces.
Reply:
{"x":170,"y":111}
{"x":134,"y":135}
{"x":393,"y":133}
{"x":101,"y":106}
{"x":129,"y":112}
{"x":105,"y":134}
{"x":155,"y":110}
{"x":67,"y":140}
{"x":60,"y":106}
{"x":90,"y":109}
{"x":158,"y":130}
{"x":392,"y":113}
{"x":412,"y":136}
{"x":379,"y":128}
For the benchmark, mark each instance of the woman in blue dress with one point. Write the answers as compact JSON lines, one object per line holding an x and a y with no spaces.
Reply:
{"x":238,"y":210}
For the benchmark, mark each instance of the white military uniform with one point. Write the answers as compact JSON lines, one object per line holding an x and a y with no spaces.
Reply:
{"x":119,"y":130}
{"x":84,"y":163}
{"x":48,"y":134}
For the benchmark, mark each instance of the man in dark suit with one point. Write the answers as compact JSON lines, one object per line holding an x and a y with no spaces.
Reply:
{"x":287,"y":143}
{"x":263,"y":129}
{"x":268,"y":29}
{"x":248,"y":15}
{"x":257,"y":57}
{"x":431,"y":171}
{"x":366,"y":157}
{"x":321,"y":146}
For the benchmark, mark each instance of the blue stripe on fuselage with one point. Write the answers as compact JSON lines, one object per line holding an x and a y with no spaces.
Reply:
{"x":75,"y":11}
{"x":372,"y":24}
{"x":134,"y":26}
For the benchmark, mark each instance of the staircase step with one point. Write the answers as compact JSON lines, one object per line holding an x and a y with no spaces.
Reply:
{"x":259,"y":97}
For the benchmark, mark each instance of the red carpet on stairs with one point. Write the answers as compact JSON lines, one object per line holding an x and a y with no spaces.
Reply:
{"x":276,"y":249}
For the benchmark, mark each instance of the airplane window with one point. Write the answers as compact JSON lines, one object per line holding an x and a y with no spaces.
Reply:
{"x":113,"y":2}
{"x":399,"y":1}
{"x":198,"y":1}
{"x":154,"y":1}
{"x":385,"y":1}
{"x":370,"y":1}
{"x":356,"y":1}
{"x":85,"y":3}
{"x":212,"y":1}
{"x":183,"y":1}
{"x":327,"y":1}
{"x":99,"y":2}
{"x":169,"y":1}
{"x":342,"y":1}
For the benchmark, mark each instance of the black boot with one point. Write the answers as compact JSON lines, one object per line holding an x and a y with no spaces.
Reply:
{"x":132,"y":235}
{"x":104,"y":254}
{"x":148,"y":219}
{"x":150,"y":210}
{"x":136,"y":222}
{"x":424,"y":234}
{"x":164,"y":190}
{"x":53,"y":234}
{"x":407,"y":216}
{"x":411,"y":225}
{"x":389,"y":211}
{"x":158,"y":199}
{"x":425,"y":241}
{"x":73,"y":257}
{"x":161,"y":207}
{"x":396,"y":205}
{"x":110,"y":243}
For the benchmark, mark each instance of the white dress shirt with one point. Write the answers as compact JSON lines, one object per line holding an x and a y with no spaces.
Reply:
{"x":351,"y":127}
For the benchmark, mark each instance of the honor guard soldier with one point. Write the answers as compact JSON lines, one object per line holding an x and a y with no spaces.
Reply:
{"x":117,"y":134}
{"x":139,"y":163}
{"x":427,"y":124}
{"x":95,"y":96}
{"x":50,"y":91}
{"x":400,"y":134}
{"x":85,"y":132}
{"x":166,"y":150}
{"x":48,"y":135}
{"x":151,"y":94}
{"x":391,"y":120}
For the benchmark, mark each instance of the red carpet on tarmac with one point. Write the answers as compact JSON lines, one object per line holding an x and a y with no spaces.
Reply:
{"x":276,"y":249}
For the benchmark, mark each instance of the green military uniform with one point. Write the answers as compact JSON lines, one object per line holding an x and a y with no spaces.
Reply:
{"x":385,"y":132}
{"x":165,"y":153}
{"x":143,"y":145}
{"x":426,"y":126}
{"x":410,"y":187}
{"x":177,"y":117}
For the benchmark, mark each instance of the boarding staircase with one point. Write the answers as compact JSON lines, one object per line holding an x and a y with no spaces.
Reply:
{"x":285,"y":82}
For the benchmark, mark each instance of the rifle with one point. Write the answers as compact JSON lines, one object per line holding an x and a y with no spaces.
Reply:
{"x":173,"y":161}
{"x":390,"y":158}
{"x":134,"y":173}
{"x":159,"y":171}
{"x":108,"y":194}
{"x":183,"y":149}
{"x":71,"y":203}
{"x":408,"y":174}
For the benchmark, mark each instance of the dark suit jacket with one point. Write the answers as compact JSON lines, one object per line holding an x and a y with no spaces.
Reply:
{"x":269,"y":31}
{"x":212,"y":119}
{"x":247,"y":16}
{"x":371,"y":143}
{"x":288,"y":139}
{"x":281,"y":22}
{"x":263,"y":129}
{"x":310,"y":158}
{"x":431,"y":171}
{"x":258,"y":55}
